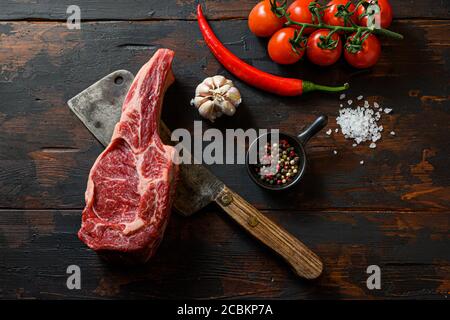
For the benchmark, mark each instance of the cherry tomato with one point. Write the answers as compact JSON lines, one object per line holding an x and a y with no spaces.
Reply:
{"x":317,"y":51}
{"x":299,"y":12}
{"x":367,"y":56}
{"x":329,"y":15}
{"x":385,"y":13}
{"x":262,"y":21}
{"x":280,"y":47}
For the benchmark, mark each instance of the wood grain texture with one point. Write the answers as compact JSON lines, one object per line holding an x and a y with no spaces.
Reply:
{"x":303,"y":261}
{"x":46,"y":153}
{"x":208,"y":256}
{"x":179,"y":9}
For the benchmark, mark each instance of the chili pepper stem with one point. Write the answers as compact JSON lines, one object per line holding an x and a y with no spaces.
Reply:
{"x":310,"y":86}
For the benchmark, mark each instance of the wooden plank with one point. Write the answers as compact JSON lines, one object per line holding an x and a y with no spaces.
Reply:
{"x":46,"y":153}
{"x":209,"y":256}
{"x":156,"y":10}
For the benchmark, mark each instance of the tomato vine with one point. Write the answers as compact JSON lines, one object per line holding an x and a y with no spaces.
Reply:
{"x":280,"y":9}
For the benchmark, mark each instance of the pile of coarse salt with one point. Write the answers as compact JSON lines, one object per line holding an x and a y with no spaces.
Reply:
{"x":361,"y":123}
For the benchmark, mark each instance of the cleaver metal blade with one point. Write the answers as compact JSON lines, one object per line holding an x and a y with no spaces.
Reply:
{"x":99,"y":108}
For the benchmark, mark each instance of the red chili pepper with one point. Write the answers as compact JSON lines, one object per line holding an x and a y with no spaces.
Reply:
{"x":251,"y":75}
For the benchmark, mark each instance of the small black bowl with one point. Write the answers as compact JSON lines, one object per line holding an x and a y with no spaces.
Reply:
{"x":298,"y":143}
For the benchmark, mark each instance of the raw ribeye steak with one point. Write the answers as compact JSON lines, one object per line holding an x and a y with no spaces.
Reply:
{"x":132,"y":183}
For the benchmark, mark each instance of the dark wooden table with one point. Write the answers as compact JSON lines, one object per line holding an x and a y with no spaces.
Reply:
{"x":392,"y":212}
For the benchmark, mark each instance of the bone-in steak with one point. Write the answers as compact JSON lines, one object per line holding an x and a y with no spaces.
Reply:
{"x":132,"y":183}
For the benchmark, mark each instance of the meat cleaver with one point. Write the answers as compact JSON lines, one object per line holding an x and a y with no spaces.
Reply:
{"x":99,"y":108}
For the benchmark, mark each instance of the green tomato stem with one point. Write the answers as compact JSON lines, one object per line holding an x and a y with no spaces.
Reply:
{"x":351,"y":29}
{"x":384,"y":32}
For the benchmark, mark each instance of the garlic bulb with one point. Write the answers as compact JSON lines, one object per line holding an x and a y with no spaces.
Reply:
{"x":216,"y":96}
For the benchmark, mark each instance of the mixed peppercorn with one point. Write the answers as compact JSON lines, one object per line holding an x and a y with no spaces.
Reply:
{"x":279,"y":164}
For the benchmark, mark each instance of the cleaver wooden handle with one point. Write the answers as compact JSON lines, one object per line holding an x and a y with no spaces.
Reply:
{"x":305,"y":262}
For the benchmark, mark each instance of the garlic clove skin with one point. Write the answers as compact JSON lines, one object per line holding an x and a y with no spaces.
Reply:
{"x":216,"y":96}
{"x":223,"y":89}
{"x":202,"y":90}
{"x":198,"y":101}
{"x":234,"y":96}
{"x":207,"y":111}
{"x":227,"y":107}
{"x":209,"y":82}
{"x":219,"y":81}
